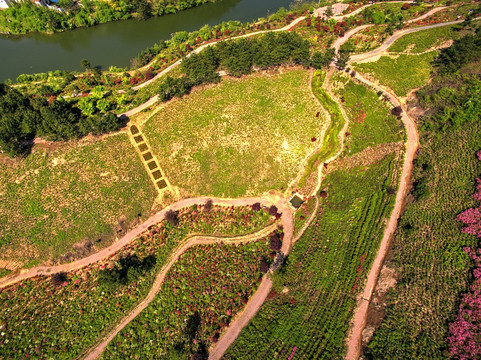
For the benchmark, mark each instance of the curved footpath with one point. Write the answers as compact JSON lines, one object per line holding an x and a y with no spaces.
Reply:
{"x":337,"y":8}
{"x":381,"y":49}
{"x":194,"y":241}
{"x":360,"y":313}
{"x":287,"y":220}
{"x":132,"y":234}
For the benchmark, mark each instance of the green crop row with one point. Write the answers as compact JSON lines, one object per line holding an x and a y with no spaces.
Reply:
{"x":308,"y":313}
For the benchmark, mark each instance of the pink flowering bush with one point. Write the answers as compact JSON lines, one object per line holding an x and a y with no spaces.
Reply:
{"x":465,"y":332}
{"x":472,"y":217}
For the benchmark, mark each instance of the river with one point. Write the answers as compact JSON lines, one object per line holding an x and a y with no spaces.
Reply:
{"x":117,"y":42}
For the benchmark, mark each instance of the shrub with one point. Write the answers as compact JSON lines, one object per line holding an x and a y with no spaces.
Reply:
{"x":275,"y":242}
{"x":264,"y":267}
{"x":256,"y":207}
{"x":273,"y":210}
{"x":208,"y":205}
{"x":171,"y":217}
{"x":59,"y":278}
{"x":396,"y":111}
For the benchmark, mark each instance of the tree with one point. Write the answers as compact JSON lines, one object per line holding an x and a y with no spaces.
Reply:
{"x":378,"y":17}
{"x":397,"y":111}
{"x":273,"y":210}
{"x":320,"y":60}
{"x":275,"y":242}
{"x":208,"y":205}
{"x":256,"y":206}
{"x":59,"y":121}
{"x":263,"y":267}
{"x":342,"y":59}
{"x":171,"y":217}
{"x":329,"y":11}
{"x":85,"y":64}
{"x":59,"y":278}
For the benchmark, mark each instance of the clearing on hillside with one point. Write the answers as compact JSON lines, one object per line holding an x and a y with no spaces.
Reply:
{"x":402,"y":73}
{"x":80,"y":192}
{"x":240,"y":137}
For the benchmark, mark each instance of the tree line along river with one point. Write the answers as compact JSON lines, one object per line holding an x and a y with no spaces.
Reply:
{"x":117,"y":42}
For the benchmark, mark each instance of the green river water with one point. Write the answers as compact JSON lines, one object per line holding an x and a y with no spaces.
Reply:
{"x":116,"y":43}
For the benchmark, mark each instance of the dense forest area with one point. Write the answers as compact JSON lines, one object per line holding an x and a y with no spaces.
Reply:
{"x":22,"y":118}
{"x":23,"y":16}
{"x":432,"y":253}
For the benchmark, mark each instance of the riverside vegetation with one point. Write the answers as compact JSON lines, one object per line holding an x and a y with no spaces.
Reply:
{"x":321,"y":277}
{"x":25,"y":16}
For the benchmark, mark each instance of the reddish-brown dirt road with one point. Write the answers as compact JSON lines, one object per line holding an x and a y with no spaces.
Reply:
{"x":360,"y":313}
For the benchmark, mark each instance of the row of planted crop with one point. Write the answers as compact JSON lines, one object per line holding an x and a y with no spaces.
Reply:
{"x":315,"y":293}
{"x":63,"y":314}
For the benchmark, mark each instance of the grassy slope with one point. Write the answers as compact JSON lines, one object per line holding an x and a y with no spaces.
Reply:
{"x":421,"y":41}
{"x":50,"y":201}
{"x":428,"y":250}
{"x":241,"y":137}
{"x":324,"y":271}
{"x":401,"y":74}
{"x":378,"y":126}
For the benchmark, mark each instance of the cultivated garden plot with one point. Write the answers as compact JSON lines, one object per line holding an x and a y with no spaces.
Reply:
{"x":201,"y":294}
{"x":62,"y":315}
{"x":241,"y":137}
{"x":308,"y":311}
{"x":428,"y":249}
{"x":51,"y":200}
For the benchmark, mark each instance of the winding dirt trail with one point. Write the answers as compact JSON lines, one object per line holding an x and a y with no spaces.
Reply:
{"x":360,"y":313}
{"x":381,"y":50}
{"x":253,"y":304}
{"x":193,"y":241}
{"x":132,"y":234}
{"x":287,"y":220}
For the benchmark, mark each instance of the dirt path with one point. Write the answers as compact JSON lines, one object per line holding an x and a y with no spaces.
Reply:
{"x":381,"y":50}
{"x":360,"y":313}
{"x":112,"y":249}
{"x":194,"y":241}
{"x":337,"y":9}
{"x":256,"y":301}
{"x":428,"y":14}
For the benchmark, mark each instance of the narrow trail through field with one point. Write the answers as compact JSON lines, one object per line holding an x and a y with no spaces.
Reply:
{"x":193,"y":241}
{"x":381,"y":50}
{"x":265,"y":286}
{"x":360,"y":313}
{"x":132,"y":234}
{"x":337,"y":9}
